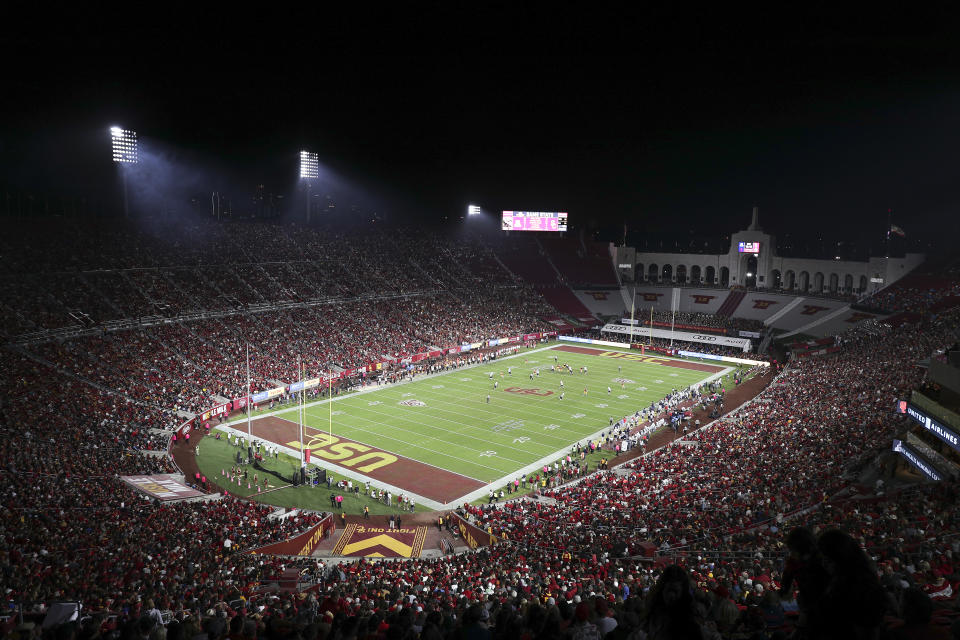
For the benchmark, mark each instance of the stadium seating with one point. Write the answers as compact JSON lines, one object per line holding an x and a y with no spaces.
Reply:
{"x":79,"y":410}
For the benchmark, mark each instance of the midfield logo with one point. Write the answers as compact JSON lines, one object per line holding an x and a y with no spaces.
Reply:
{"x":529,"y":392}
{"x":413,"y":403}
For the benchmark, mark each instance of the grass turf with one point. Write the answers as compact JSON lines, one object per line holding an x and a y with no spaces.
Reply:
{"x":446,"y":420}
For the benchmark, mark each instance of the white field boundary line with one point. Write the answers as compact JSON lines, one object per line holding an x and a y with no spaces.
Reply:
{"x":472,"y":495}
{"x":394,"y":417}
{"x":381,"y":387}
{"x":353,"y":475}
{"x":438,"y":405}
{"x":535,"y":466}
{"x":386,"y":437}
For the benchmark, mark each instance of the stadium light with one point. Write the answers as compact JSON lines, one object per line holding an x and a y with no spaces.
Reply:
{"x":125,"y":151}
{"x":473,"y":210}
{"x":124,"y":145}
{"x":309,"y":165}
{"x":309,"y":170}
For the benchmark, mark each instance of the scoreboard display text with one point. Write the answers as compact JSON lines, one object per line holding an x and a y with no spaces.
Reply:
{"x":534,"y":221}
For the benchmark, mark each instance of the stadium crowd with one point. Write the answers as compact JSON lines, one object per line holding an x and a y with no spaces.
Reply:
{"x":706,"y":321}
{"x":688,"y":541}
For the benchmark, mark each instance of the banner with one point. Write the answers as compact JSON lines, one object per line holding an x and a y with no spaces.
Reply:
{"x":306,"y":384}
{"x":603,"y":343}
{"x":162,"y":486}
{"x":741,"y":343}
{"x":267,"y":395}
{"x":222,"y":409}
{"x":302,"y":545}
{"x":710,"y":356}
{"x":750,"y":334}
{"x":692,"y":327}
{"x":916,"y":460}
{"x":943,"y":432}
{"x":473,"y":536}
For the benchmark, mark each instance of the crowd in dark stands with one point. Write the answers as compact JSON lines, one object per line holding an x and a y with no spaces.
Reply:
{"x":756,"y":524}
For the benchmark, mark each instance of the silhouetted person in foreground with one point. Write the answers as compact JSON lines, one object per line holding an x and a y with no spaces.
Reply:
{"x":804,"y":567}
{"x":669,"y":611}
{"x":853,"y":602}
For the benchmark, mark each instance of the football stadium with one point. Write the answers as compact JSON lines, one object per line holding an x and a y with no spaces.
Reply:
{"x":246,"y":397}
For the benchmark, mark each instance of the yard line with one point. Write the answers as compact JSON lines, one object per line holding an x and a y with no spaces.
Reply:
{"x":486,"y":441}
{"x":440,"y":453}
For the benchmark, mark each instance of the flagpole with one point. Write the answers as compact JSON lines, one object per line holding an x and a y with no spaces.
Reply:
{"x":330,"y":400}
{"x":633,"y":306}
{"x":301,"y":412}
{"x":249,"y":435}
{"x":651,"y":326}
{"x":886,"y":252}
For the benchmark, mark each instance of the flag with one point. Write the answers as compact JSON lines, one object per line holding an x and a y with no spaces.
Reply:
{"x":897,"y":230}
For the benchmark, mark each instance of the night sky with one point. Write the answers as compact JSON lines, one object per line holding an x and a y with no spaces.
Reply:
{"x":664,"y":122}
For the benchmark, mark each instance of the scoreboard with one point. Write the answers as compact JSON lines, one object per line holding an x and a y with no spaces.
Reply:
{"x":749,"y":247}
{"x":534,"y":221}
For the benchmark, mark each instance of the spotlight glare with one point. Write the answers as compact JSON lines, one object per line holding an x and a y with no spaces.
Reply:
{"x":125,"y":148}
{"x":309,"y":165}
{"x":473,"y":210}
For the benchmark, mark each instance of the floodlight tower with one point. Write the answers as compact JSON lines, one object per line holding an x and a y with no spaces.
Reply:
{"x":125,"y":151}
{"x":309,"y":170}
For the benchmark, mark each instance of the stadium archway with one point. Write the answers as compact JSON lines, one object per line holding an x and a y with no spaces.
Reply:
{"x":652,"y":273}
{"x":724,"y":276}
{"x":834,"y":282}
{"x":776,"y":280}
{"x":804,"y":281}
{"x":749,"y":272}
{"x":789,"y":280}
{"x":848,"y":283}
{"x":863,"y":284}
{"x":681,"y":274}
{"x":639,"y":275}
{"x":711,"y":275}
{"x":667,"y":274}
{"x":818,"y":282}
{"x":695,"y":274}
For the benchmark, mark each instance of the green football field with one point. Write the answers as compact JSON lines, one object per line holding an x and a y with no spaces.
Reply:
{"x":445,"y":420}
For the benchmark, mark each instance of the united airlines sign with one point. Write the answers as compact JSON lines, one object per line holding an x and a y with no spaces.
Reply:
{"x":944,"y":433}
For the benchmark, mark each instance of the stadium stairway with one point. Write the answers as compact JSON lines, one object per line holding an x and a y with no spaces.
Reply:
{"x":731,"y":303}
{"x":562,"y":298}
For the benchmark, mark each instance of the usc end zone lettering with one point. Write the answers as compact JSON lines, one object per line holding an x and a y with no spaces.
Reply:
{"x":330,"y":448}
{"x":633,"y":356}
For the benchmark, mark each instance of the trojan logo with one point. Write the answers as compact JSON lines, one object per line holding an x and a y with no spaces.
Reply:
{"x":812,"y":309}
{"x":702,"y":299}
{"x":348,"y":454}
{"x":763,"y":304}
{"x":529,"y":392}
{"x":651,"y":297}
{"x":597,"y":295}
{"x":858,"y":316}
